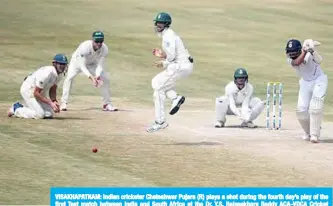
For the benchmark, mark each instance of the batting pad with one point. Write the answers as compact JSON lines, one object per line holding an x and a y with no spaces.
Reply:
{"x":316,"y":113}
{"x":304,"y":120}
{"x":221,"y":107}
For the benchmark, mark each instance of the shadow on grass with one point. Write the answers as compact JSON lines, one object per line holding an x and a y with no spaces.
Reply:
{"x":202,"y":143}
{"x":327,"y":141}
{"x":99,"y":109}
{"x":238,"y":126}
{"x":71,"y":118}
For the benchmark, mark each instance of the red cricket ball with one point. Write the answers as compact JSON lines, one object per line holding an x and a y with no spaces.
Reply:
{"x":94,"y":149}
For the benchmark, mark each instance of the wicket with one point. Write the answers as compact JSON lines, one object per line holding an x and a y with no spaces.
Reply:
{"x":274,"y":101}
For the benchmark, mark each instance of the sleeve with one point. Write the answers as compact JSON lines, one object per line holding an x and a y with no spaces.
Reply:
{"x":82,"y":55}
{"x":246,"y":102}
{"x":316,"y":57}
{"x":169,"y":47}
{"x":307,"y":57}
{"x":41,"y":78}
{"x":232,"y":103}
{"x":101,"y":62}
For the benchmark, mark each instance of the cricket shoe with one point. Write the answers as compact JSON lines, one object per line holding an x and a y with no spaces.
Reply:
{"x":314,"y":139}
{"x":109,"y":108}
{"x":306,"y":137}
{"x":219,"y":124}
{"x":176,"y":104}
{"x":63,"y":106}
{"x":13,"y":108}
{"x":248,"y":125}
{"x":157,"y":126}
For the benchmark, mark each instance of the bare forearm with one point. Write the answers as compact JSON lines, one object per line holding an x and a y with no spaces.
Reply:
{"x":40,"y":97}
{"x":53,"y":93}
{"x":299,"y":59}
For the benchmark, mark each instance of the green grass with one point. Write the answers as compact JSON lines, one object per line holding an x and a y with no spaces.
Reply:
{"x":220,"y":35}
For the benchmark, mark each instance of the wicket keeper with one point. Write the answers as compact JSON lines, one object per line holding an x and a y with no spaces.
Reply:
{"x":239,"y":101}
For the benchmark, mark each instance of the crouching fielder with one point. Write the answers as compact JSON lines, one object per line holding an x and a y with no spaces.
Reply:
{"x":177,"y":64}
{"x":89,"y":58}
{"x":238,"y":101}
{"x":312,"y":86}
{"x":36,"y":88}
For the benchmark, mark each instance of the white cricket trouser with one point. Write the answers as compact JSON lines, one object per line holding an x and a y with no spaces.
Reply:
{"x":222,"y":104}
{"x":33,"y":109}
{"x":73,"y":70}
{"x":311,"y":89}
{"x":164,"y":84}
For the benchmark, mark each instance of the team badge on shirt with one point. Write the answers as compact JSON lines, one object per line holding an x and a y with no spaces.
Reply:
{"x":167,"y":44}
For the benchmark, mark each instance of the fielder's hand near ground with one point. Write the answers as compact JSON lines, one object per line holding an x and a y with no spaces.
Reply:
{"x":55,"y":106}
{"x":245,"y":114}
{"x":238,"y":114}
{"x":99,"y":81}
{"x":95,"y":80}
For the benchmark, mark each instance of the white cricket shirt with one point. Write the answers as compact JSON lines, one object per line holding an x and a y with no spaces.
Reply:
{"x":308,"y":70}
{"x":174,"y":47}
{"x":44,"y":78}
{"x":89,"y":58}
{"x":232,"y":91}
{"x":86,"y":50}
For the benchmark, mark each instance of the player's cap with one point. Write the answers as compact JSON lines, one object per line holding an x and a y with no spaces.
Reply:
{"x":60,"y":58}
{"x":98,"y":36}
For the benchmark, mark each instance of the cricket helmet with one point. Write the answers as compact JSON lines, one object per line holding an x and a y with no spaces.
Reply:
{"x":293,"y":48}
{"x":60,"y":58}
{"x":62,"y":61}
{"x":98,"y":36}
{"x":240,"y":77}
{"x":164,"y":18}
{"x":240,"y":73}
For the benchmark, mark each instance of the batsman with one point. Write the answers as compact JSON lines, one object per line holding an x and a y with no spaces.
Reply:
{"x":312,"y":85}
{"x":239,"y":101}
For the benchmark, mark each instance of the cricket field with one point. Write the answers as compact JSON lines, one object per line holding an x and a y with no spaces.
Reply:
{"x":221,"y":36}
